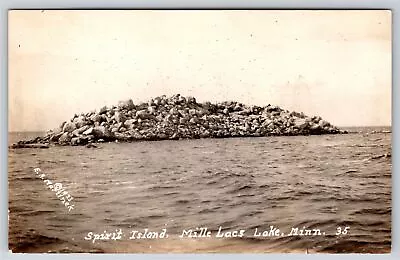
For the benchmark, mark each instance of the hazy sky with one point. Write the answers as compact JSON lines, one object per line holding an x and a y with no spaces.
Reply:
{"x":336,"y":64}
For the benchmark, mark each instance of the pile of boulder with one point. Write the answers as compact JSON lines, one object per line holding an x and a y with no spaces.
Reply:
{"x":180,"y":117}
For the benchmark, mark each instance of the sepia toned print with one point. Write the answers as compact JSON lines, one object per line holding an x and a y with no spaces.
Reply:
{"x":188,"y":131}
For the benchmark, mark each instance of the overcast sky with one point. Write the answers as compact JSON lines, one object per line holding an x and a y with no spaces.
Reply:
{"x":336,"y":64}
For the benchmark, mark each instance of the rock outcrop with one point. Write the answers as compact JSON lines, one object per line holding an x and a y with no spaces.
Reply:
{"x":181,"y":117}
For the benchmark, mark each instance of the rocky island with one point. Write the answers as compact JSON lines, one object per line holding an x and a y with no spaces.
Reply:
{"x":179,"y":117}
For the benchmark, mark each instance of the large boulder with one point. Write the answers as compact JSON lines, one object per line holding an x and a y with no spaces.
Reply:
{"x":82,"y":129}
{"x":75,"y":132}
{"x":316,"y":119}
{"x":89,"y":131}
{"x":80,"y":121}
{"x":181,"y":100}
{"x":182,"y":121}
{"x":65,"y":138}
{"x":323,"y":123}
{"x":130,"y":122}
{"x":174,"y":99}
{"x":192,"y":112}
{"x":79,"y":140}
{"x":315,"y":127}
{"x":128,"y":104}
{"x":101,"y":132}
{"x":162,"y":136}
{"x":62,"y":125}
{"x":119,"y":117}
{"x":157,"y":101}
{"x":152,"y":110}
{"x":53,"y":132}
{"x":105,"y":118}
{"x":103,"y":110}
{"x":245,"y":112}
{"x":194,"y":120}
{"x":174,"y":111}
{"x":79,"y":131}
{"x":55,"y":137}
{"x":120,"y":136}
{"x":69,"y":127}
{"x":143,"y":114}
{"x":301,"y":123}
{"x":191,"y":100}
{"x":96,"y":118}
{"x":75,"y":141}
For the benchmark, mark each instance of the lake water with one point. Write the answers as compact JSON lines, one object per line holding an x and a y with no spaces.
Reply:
{"x":316,"y":182}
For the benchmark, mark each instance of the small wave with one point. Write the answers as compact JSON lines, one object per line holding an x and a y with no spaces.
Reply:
{"x":381,"y":132}
{"x":183,"y":201}
{"x":171,"y":193}
{"x":245,"y":195}
{"x":238,"y":189}
{"x":351,"y":171}
{"x":245,"y":187}
{"x":156,"y":188}
{"x":209,"y":210}
{"x":212,"y":182}
{"x":31,"y":240}
{"x":304,"y":192}
{"x":36,"y":212}
{"x":25,"y":178}
{"x":381,"y":156}
{"x":350,"y":246}
{"x":377,"y":211}
{"x":72,"y":250}
{"x":48,"y":161}
{"x":155,"y":216}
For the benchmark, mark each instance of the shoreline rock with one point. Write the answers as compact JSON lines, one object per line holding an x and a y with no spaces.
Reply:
{"x":18,"y":145}
{"x":180,"y":117}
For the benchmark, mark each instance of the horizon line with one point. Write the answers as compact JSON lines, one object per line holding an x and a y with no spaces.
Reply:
{"x":37,"y":131}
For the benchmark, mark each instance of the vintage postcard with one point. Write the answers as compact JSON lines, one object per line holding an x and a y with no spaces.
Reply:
{"x":199,"y":131}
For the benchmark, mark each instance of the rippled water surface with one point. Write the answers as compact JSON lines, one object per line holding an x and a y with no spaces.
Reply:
{"x":322,"y":182}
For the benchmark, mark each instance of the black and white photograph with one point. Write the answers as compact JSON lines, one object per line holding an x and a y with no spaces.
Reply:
{"x":199,"y":131}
